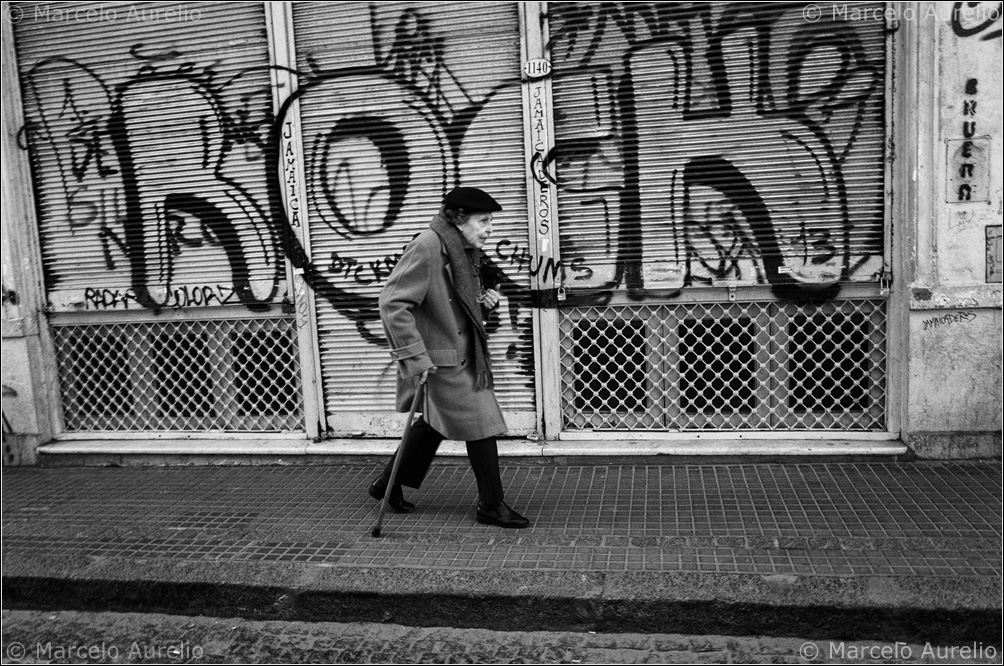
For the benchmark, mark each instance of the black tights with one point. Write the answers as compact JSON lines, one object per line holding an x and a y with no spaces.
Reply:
{"x":420,"y":449}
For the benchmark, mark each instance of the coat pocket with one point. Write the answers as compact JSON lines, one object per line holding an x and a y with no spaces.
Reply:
{"x":443,"y":357}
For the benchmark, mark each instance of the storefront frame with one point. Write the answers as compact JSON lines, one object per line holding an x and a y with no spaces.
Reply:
{"x":533,"y":20}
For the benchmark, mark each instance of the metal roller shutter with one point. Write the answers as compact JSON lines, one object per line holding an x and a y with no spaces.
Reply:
{"x":715,"y":152}
{"x":148,"y":133}
{"x":147,"y":126}
{"x":399,"y":103}
{"x":710,"y":144}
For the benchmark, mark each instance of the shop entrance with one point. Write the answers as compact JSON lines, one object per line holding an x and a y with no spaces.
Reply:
{"x":720,"y":187}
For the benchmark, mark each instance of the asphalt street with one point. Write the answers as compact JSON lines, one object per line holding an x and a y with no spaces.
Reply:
{"x":32,"y":637}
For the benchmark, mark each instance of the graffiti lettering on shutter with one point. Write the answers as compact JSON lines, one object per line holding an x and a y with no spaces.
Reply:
{"x":104,"y":299}
{"x":506,"y":253}
{"x":398,"y":133}
{"x":153,"y":209}
{"x":668,"y":160}
{"x":113,"y":145}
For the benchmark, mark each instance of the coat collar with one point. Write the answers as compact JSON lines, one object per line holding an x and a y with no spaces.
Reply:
{"x":446,"y":261}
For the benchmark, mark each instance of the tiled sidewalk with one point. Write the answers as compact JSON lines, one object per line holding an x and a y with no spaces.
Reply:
{"x":814,"y":519}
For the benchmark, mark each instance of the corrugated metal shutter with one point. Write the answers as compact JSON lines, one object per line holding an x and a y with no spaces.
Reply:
{"x":147,"y":126}
{"x":400,"y":102}
{"x":702,"y":144}
{"x":724,"y":163}
{"x":147,"y":123}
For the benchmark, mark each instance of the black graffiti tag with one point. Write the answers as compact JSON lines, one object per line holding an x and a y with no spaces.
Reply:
{"x":720,"y":219}
{"x":110,"y":165}
{"x":972,"y":18}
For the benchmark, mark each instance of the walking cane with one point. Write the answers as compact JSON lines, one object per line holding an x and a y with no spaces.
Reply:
{"x":398,"y":455}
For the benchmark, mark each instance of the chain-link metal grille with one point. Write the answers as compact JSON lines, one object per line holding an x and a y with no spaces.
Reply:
{"x":234,"y":375}
{"x":725,"y":366}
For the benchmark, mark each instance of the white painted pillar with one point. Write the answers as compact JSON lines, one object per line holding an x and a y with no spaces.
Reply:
{"x":30,"y":387}
{"x":538,"y":124}
{"x":282,"y":53}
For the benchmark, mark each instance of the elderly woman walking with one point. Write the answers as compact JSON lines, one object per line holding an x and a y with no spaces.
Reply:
{"x":433,"y":311}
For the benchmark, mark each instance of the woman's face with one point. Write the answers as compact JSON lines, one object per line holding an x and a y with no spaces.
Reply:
{"x":477,"y":229}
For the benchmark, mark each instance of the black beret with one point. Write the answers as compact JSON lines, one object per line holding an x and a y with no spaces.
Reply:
{"x":472,"y":200}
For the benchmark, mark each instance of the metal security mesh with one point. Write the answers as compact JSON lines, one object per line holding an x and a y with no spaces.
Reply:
{"x":235,"y":375}
{"x":725,"y":366}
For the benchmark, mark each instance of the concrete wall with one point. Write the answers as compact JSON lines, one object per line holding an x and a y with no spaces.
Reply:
{"x":27,"y":404}
{"x":954,"y":362}
{"x":26,"y":429}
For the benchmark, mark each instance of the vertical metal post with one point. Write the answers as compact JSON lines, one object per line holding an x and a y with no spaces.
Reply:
{"x":538,"y":123}
{"x":282,"y":53}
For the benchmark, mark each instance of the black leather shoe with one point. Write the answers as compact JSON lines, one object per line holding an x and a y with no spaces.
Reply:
{"x":397,"y":501}
{"x":501,"y":515}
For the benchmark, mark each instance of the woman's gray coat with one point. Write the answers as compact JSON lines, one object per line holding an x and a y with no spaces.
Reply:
{"x":426,"y":326}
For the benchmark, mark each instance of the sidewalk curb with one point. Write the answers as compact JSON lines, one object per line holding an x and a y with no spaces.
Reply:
{"x":941,"y":610}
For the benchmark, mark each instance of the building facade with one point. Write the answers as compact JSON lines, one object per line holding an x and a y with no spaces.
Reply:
{"x":722,"y":222}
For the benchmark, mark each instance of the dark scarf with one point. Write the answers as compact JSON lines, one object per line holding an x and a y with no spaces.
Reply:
{"x":467,"y":283}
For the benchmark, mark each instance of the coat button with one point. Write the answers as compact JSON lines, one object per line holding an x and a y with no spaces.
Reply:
{"x":463,"y":361}
{"x":459,"y":332}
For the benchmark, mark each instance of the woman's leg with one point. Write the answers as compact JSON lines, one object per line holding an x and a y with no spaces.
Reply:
{"x":484,"y":456}
{"x":492,"y":510}
{"x":419,"y":450}
{"x":416,"y":458}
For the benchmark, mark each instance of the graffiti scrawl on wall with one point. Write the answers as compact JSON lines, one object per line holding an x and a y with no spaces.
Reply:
{"x":695,"y":145}
{"x":170,"y":169}
{"x":150,"y":186}
{"x":977,"y":19}
{"x":391,"y":118}
{"x":676,"y":208}
{"x":726,"y":144}
{"x":969,"y":157}
{"x":384,"y":140}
